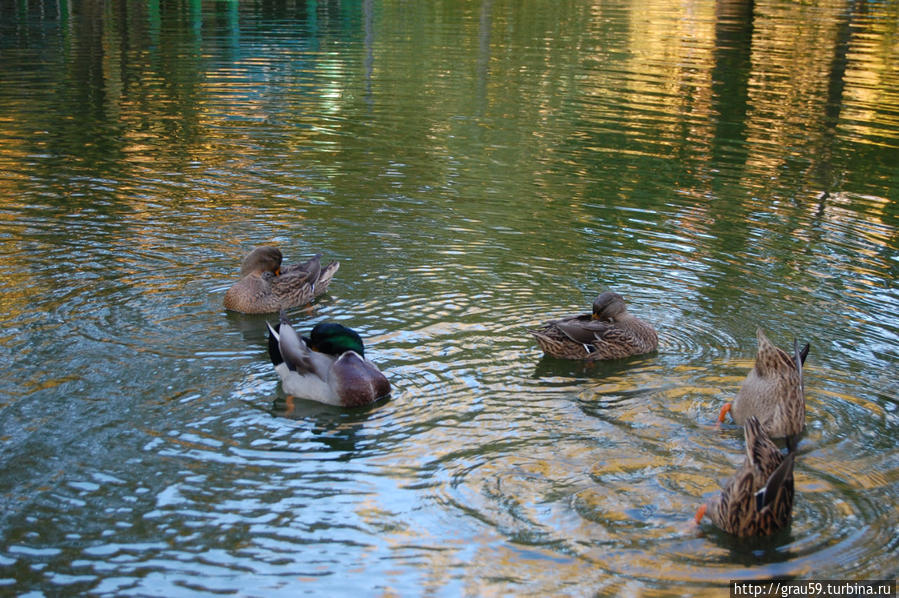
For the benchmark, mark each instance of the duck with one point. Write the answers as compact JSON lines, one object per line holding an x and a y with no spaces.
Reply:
{"x":266,"y":287}
{"x":773,"y":391}
{"x":610,"y":332}
{"x":758,"y":499}
{"x":329,"y":366}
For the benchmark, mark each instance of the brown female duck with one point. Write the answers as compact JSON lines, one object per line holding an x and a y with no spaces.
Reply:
{"x":266,"y":287}
{"x":610,"y":332}
{"x":758,"y":500}
{"x":773,"y":392}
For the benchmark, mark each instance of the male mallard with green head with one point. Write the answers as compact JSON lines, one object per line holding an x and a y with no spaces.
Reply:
{"x":773,"y":392}
{"x":610,"y":332}
{"x":328,"y":367}
{"x":265,"y":286}
{"x":758,"y":500}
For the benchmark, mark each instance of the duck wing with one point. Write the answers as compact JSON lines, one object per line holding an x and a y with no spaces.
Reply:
{"x":780,"y":477}
{"x":290,"y":290}
{"x":300,"y":283}
{"x":799,"y":356}
{"x":291,"y":349}
{"x":583,"y":330}
{"x":617,"y":335}
{"x":310,"y":269}
{"x":325,"y":276}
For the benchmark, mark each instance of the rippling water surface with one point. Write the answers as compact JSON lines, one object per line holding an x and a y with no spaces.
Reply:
{"x":476,"y":167}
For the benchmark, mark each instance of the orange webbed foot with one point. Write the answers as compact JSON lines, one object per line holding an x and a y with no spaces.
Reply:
{"x":723,"y":412}
{"x":700,"y":513}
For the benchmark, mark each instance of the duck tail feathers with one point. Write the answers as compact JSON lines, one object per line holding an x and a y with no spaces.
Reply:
{"x":799,"y":356}
{"x":274,"y":352}
{"x":775,"y":482}
{"x":803,"y":352}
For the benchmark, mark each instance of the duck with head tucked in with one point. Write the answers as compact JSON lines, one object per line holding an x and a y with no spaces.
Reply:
{"x":266,"y":287}
{"x":773,"y":392}
{"x":610,"y":332}
{"x":328,"y":367}
{"x":758,"y":500}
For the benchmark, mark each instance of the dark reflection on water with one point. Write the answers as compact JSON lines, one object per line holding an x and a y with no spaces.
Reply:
{"x":477,"y":167}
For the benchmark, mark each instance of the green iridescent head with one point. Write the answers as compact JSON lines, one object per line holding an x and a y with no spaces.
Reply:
{"x":335,"y":339}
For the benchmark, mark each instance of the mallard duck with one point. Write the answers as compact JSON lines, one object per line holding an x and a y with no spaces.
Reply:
{"x":758,"y":500}
{"x":265,"y":286}
{"x":610,"y":332}
{"x":773,"y":392}
{"x":328,"y":367}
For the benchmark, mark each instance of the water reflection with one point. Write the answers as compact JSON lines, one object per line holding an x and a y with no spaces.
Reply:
{"x":477,"y":168}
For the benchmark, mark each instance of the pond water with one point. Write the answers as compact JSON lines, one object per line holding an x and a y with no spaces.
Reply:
{"x":477,"y":168}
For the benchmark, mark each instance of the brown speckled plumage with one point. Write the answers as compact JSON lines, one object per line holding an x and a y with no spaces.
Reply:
{"x":265,"y":287}
{"x":610,"y":332}
{"x":773,"y":392}
{"x":758,"y":500}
